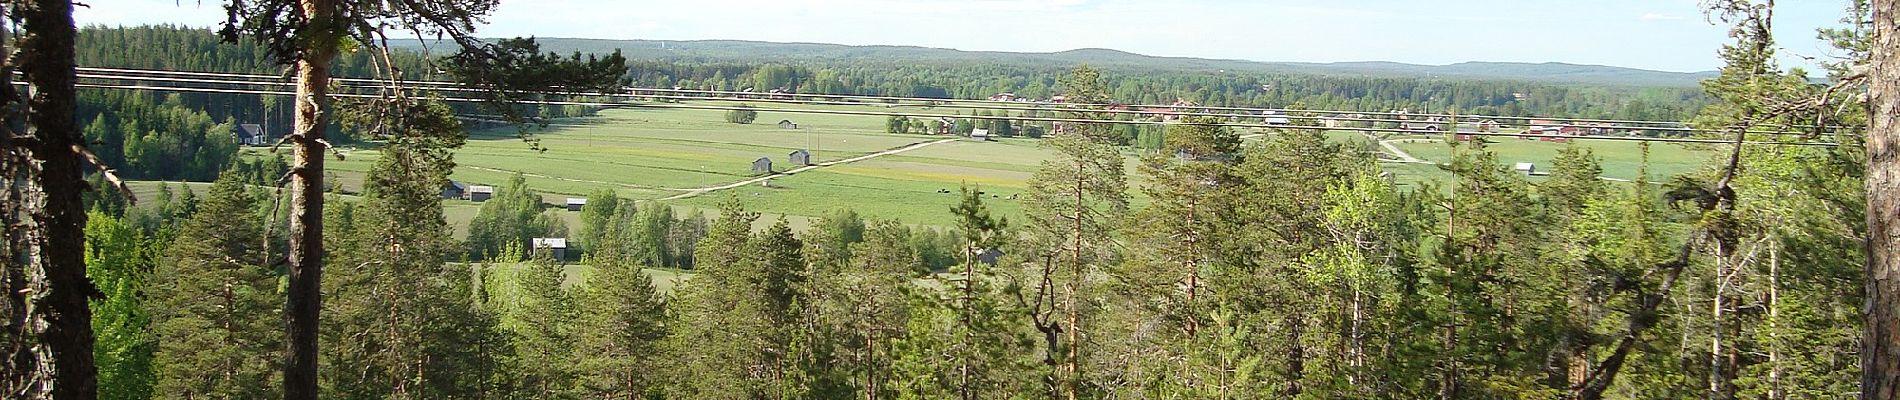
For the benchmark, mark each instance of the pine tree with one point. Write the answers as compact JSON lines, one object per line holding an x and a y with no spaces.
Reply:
{"x":623,"y":320}
{"x":542,"y":316}
{"x":1074,"y":203}
{"x":401,"y":323}
{"x":216,"y":320}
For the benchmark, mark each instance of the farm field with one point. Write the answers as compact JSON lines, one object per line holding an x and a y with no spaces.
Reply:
{"x":1621,"y":159}
{"x":651,"y":154}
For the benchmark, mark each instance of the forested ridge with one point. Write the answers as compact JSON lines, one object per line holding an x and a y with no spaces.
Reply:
{"x":1290,"y":267}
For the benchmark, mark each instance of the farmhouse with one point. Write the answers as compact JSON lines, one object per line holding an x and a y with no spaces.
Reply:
{"x":1420,"y":126}
{"x":480,"y":193}
{"x":454,"y":190}
{"x":763,"y":165}
{"x":801,"y":157}
{"x":575,"y":203}
{"x":1488,"y":126}
{"x":787,"y":124}
{"x":557,"y":247}
{"x":250,"y":134}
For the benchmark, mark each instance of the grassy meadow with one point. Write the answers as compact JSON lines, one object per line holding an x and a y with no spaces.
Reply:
{"x":648,"y":154}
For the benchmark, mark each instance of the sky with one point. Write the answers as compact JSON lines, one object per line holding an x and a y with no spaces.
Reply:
{"x":1666,"y":35}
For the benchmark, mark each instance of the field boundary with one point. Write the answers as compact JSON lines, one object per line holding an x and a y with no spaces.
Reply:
{"x":709,"y":189}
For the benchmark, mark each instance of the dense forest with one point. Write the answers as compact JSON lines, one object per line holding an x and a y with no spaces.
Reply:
{"x":1291,"y":267}
{"x":1285,"y":269}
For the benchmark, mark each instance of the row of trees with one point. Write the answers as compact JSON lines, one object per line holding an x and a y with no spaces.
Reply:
{"x":977,"y":80}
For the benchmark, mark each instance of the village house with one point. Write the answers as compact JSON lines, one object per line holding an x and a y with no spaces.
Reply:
{"x":250,"y":134}
{"x":1420,"y":126}
{"x":1004,"y":96}
{"x":1488,"y":125}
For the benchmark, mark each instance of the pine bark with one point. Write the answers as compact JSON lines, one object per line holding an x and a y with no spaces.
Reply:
{"x":57,"y":315}
{"x":306,"y":199}
{"x":1880,"y":340}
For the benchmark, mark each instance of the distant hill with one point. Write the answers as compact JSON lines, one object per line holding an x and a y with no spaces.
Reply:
{"x":739,"y":50}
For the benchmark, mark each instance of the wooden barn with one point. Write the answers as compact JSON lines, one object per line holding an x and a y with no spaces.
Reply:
{"x":787,"y":124}
{"x":800,"y":157}
{"x":480,"y":193}
{"x":557,"y":247}
{"x":763,"y":165}
{"x":575,"y":203}
{"x":454,"y":190}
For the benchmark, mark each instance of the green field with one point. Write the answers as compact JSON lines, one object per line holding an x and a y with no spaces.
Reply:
{"x":1621,"y":159}
{"x":650,"y":154}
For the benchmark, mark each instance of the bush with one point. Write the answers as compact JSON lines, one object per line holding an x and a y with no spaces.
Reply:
{"x":744,"y":115}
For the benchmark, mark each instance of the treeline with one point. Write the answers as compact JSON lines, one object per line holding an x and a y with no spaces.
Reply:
{"x":979,"y":80}
{"x":653,"y":235}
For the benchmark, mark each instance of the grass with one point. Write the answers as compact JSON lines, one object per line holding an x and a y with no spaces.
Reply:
{"x":1620,"y":159}
{"x":647,"y":154}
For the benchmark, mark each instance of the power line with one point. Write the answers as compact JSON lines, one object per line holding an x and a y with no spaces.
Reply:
{"x":900,"y":114}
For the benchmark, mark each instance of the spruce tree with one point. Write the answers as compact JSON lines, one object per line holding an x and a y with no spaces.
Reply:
{"x":217,"y":318}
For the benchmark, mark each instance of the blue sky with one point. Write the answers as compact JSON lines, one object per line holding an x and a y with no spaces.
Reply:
{"x":1670,"y":35}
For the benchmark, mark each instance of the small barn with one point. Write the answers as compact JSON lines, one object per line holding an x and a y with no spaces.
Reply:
{"x":787,"y":124}
{"x":575,"y":203}
{"x":480,"y":193}
{"x":557,"y":247}
{"x":763,"y":165}
{"x":989,"y":256}
{"x":801,"y":157}
{"x":980,"y":134}
{"x":1526,"y":168}
{"x":250,"y":134}
{"x":454,"y":190}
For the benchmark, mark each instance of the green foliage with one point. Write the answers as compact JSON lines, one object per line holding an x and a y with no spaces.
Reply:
{"x":510,"y":219}
{"x":399,"y":322}
{"x":120,"y":261}
{"x":620,"y":329}
{"x":217,"y":319}
{"x":743,"y":115}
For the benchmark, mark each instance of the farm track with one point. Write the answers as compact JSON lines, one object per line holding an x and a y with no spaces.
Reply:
{"x":709,"y":189}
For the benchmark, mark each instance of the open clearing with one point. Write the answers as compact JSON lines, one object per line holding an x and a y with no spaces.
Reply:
{"x":650,"y":154}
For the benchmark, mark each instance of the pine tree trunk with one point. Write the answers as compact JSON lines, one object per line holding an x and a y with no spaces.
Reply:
{"x":1075,"y":318}
{"x":1880,"y":342}
{"x":963,"y":340}
{"x":56,"y":311}
{"x":306,"y":199}
{"x":1718,"y":353}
